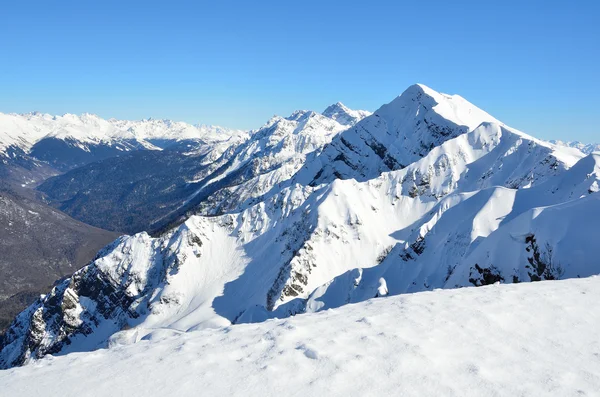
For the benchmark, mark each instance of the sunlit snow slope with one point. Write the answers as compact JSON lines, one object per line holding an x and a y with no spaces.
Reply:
{"x":506,"y":340}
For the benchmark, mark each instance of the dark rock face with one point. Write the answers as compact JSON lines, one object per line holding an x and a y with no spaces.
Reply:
{"x":50,"y":323}
{"x":485,"y":276}
{"x":541,"y":264}
{"x":61,"y":315}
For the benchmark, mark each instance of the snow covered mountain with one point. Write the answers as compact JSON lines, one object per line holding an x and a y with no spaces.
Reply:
{"x":396,"y":135}
{"x":585,"y":148}
{"x":307,"y":214}
{"x":344,"y":115}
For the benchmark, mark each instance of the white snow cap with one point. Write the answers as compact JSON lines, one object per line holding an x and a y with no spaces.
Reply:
{"x":344,"y":115}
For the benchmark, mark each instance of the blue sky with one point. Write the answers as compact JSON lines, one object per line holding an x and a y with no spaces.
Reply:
{"x":532,"y":64}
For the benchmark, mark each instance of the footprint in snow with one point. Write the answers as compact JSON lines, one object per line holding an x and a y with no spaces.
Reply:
{"x":308,"y":352}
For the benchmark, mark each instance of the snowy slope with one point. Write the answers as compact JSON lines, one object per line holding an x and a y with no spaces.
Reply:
{"x":206,"y":272}
{"x":158,"y":132}
{"x":22,"y":130}
{"x":360,"y":222}
{"x":25,"y":130}
{"x":519,"y":340}
{"x":288,"y":229}
{"x":293,"y":150}
{"x":472,"y":243}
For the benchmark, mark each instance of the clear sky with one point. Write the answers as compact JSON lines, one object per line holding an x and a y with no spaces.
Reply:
{"x":532,"y":64}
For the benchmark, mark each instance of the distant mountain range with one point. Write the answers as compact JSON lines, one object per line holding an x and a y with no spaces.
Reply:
{"x":69,"y":141}
{"x":586,"y":148}
{"x":309,"y":212}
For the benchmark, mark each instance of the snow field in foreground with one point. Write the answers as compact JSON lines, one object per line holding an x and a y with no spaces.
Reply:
{"x":533,"y":339}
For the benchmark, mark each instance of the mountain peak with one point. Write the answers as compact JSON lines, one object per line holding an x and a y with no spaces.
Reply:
{"x":450,"y":107}
{"x":416,"y":92}
{"x":418,"y":87}
{"x":421,"y":92}
{"x":335,"y":109}
{"x":343,"y":114}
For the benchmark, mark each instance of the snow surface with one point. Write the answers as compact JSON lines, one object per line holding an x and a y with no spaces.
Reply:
{"x":501,"y":340}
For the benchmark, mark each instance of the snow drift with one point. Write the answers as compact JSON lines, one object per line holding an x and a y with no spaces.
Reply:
{"x":507,"y":340}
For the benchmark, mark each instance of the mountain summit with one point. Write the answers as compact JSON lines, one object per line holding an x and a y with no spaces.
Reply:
{"x":344,"y":115}
{"x":395,"y":135}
